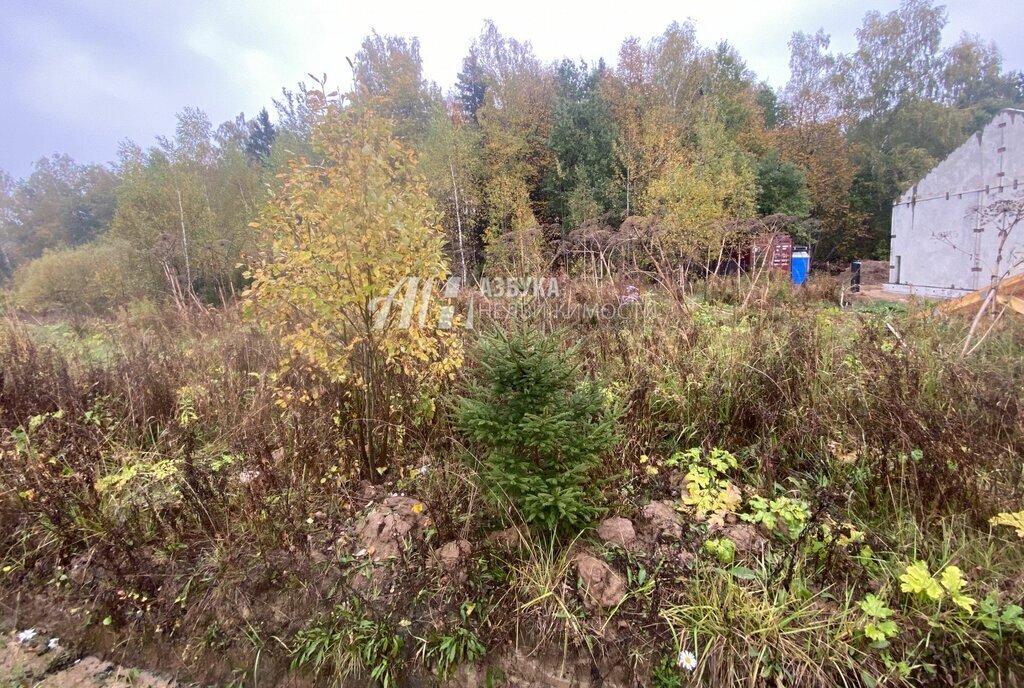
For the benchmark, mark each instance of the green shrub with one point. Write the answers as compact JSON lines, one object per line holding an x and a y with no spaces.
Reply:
{"x":349,"y":643}
{"x":448,"y":651}
{"x":83,"y":280}
{"x":542,"y":431}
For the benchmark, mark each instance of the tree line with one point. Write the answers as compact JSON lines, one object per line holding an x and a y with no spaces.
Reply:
{"x":675,"y":146}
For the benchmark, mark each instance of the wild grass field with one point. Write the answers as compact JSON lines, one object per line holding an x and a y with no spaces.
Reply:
{"x":695,"y":493}
{"x":492,"y":382}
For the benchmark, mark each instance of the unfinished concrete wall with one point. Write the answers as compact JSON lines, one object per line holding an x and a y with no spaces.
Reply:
{"x":939,"y":245}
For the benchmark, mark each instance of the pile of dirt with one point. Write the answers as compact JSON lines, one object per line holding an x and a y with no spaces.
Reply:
{"x":871,"y":272}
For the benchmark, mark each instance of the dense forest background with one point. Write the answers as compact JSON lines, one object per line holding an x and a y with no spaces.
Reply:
{"x":676,"y":139}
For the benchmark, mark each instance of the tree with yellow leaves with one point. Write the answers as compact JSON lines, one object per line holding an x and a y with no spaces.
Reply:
{"x":714,"y":182}
{"x":340,"y":240}
{"x":648,"y":135}
{"x":515,"y":119}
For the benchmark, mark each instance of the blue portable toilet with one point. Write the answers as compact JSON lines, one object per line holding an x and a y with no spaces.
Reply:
{"x":800,"y":266}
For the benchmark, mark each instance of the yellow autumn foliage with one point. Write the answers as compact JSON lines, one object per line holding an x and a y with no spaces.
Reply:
{"x":343,"y":233}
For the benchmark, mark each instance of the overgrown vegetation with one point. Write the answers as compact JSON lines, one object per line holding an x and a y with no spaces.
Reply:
{"x":842,"y":536}
{"x":645,"y":471}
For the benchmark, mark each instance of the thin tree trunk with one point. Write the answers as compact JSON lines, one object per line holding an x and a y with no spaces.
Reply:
{"x":458,"y":220}
{"x":991,"y":297}
{"x":5,"y":262}
{"x":627,"y":190}
{"x":184,"y":245}
{"x":174,"y":283}
{"x":757,"y":273}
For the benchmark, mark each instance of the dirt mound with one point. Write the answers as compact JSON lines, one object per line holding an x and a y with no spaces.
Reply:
{"x":871,"y":272}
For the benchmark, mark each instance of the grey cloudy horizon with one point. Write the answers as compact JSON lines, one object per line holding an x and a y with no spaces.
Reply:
{"x":78,"y":78}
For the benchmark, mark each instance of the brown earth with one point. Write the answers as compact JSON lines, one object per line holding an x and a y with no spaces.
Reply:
{"x":871,"y":272}
{"x":42,"y":662}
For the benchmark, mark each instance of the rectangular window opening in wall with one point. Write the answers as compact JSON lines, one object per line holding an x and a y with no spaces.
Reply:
{"x":897,"y":266}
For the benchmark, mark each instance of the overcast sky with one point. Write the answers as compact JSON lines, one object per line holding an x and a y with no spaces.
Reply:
{"x":78,"y":77}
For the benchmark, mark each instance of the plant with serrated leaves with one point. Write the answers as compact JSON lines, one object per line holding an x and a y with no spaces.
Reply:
{"x":783,"y":514}
{"x":878,"y":626}
{"x":709,"y":493}
{"x":917,"y":580}
{"x":953,"y":581}
{"x":723,"y":549}
{"x":1000,"y":620}
{"x":1012,"y":519}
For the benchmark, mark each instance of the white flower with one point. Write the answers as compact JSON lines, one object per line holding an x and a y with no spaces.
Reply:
{"x":26,"y":635}
{"x":52,"y":645}
{"x":687,"y":660}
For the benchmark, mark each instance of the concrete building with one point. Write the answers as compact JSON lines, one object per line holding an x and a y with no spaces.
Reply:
{"x":941,"y":245}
